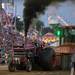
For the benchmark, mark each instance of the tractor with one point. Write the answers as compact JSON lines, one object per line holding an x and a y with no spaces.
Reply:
{"x":26,"y":56}
{"x":20,"y":59}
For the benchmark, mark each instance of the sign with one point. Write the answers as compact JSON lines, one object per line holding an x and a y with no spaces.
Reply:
{"x":49,"y":37}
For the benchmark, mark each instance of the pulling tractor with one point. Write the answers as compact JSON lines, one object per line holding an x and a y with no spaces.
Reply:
{"x":20,"y":59}
{"x":25,"y":57}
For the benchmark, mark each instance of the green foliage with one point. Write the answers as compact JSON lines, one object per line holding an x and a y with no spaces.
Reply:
{"x":46,"y":30}
{"x":69,"y":36}
{"x":19,"y":24}
{"x":38,"y":24}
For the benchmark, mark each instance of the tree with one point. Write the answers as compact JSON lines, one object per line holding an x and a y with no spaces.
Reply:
{"x":19,"y":24}
{"x":46,"y":30}
{"x":39,"y":25}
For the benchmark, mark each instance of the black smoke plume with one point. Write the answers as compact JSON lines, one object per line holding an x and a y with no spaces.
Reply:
{"x":32,"y":7}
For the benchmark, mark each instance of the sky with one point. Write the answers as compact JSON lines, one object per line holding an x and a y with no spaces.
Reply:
{"x":18,"y":7}
{"x":66,"y":10}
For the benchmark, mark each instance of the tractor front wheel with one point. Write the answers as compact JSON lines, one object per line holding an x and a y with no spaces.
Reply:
{"x":11,"y":67}
{"x":29,"y":67}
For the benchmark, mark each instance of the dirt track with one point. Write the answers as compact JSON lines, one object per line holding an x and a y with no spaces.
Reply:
{"x":4,"y":71}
